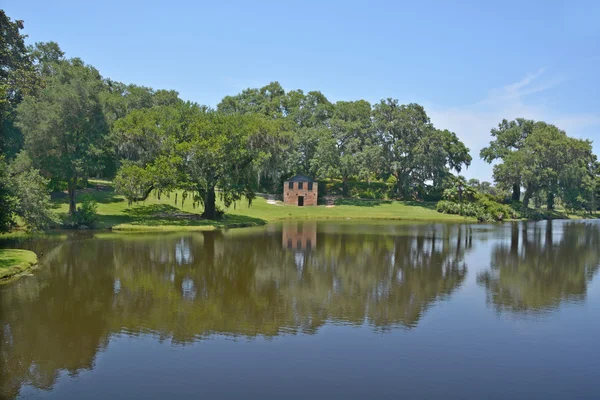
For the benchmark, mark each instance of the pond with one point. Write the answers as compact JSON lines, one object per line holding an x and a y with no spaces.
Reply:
{"x":308,"y":310}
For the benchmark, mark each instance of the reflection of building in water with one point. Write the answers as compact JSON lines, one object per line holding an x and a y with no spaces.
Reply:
{"x":183,"y":254}
{"x":299,"y":236}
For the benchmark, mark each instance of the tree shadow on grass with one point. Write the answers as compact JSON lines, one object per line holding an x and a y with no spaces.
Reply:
{"x":361,"y":202}
{"x":156,"y":215}
{"x":154,"y":209}
{"x":104,"y":194}
{"x":373,"y":203}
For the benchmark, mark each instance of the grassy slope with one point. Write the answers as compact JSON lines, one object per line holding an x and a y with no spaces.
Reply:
{"x":163,"y":215}
{"x":13,"y":262}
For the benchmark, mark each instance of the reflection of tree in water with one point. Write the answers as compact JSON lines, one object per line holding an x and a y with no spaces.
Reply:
{"x":542,"y":266}
{"x":240,"y":284}
{"x":254,"y":285}
{"x":57,"y":320}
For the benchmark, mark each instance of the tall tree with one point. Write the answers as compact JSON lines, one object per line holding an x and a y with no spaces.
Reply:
{"x":8,"y":202}
{"x":303,"y":118}
{"x":416,"y":152}
{"x":45,"y":56}
{"x":118,"y":101}
{"x":145,"y":141}
{"x":222,"y":151}
{"x":547,"y":161}
{"x":343,"y":151}
{"x":509,"y":137}
{"x":64,"y":125}
{"x":17,"y":79}
{"x":267,"y":101}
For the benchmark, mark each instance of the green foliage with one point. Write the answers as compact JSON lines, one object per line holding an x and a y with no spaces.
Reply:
{"x":496,"y":210}
{"x":221,"y":151}
{"x":448,"y":207}
{"x":24,"y":193}
{"x":458,"y":190}
{"x":544,"y":160}
{"x":348,"y":147}
{"x":8,"y":202}
{"x":34,"y":205}
{"x":357,"y":189}
{"x":85,"y":216}
{"x":484,"y":208}
{"x":17,"y":80}
{"x":414,"y":151}
{"x":134,"y":182}
{"x":64,"y":125}
{"x":465,"y":209}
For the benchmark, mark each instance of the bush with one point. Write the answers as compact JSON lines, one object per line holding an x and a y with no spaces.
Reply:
{"x":497,"y":211}
{"x":34,"y":200}
{"x":448,"y":207}
{"x":86,"y":215}
{"x":484,"y":209}
{"x":134,"y":182}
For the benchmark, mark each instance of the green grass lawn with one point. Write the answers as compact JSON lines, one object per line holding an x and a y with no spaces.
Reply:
{"x":165,"y":215}
{"x":14,"y":262}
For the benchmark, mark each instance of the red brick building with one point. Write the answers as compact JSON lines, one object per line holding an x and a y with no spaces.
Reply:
{"x":300,"y":190}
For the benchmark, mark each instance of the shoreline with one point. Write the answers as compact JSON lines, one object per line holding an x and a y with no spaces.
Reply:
{"x":15,"y":263}
{"x":171,"y":228}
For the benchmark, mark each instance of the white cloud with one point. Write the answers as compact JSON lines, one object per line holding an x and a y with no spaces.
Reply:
{"x":473,"y":122}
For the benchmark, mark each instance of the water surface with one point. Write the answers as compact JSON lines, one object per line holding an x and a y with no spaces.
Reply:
{"x":309,"y":310}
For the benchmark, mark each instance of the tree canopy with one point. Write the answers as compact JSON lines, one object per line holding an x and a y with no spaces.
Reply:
{"x":544,"y":160}
{"x":64,"y":125}
{"x":17,"y":80}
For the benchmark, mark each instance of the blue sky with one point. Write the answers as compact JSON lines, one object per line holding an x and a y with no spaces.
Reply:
{"x":469,"y":63}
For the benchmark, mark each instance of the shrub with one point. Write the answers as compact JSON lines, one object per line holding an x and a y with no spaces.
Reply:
{"x":134,"y":182}
{"x":448,"y":207}
{"x":497,"y":211}
{"x":86,"y":215}
{"x":34,"y":201}
{"x":484,"y":209}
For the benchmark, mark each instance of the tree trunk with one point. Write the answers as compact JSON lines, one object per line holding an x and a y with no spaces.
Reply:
{"x":516,"y":192}
{"x":72,"y":190}
{"x":550,"y":201}
{"x":345,"y":186}
{"x":210,"y":208}
{"x":399,"y":186}
{"x":145,"y":195}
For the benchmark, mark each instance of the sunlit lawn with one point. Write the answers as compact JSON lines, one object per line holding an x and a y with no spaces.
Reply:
{"x":13,"y":262}
{"x":164,"y":214}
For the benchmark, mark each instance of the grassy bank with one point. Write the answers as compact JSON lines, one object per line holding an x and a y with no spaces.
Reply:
{"x":15,"y":262}
{"x":165,"y":215}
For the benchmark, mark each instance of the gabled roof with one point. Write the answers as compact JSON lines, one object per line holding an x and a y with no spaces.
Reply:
{"x":300,"y":178}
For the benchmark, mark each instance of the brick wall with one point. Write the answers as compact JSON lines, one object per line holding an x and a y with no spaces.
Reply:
{"x":290,"y":196}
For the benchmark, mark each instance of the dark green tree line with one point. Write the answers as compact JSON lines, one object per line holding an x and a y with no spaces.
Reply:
{"x":543,"y":160}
